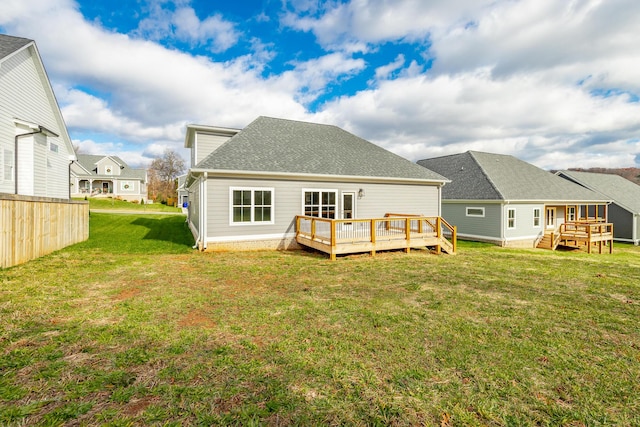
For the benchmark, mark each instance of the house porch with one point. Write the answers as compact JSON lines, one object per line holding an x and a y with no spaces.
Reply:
{"x":347,"y":236}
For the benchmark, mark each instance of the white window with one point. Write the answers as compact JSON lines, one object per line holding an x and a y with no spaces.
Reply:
{"x":536,"y":217}
{"x":571,"y":213}
{"x":479,"y":212}
{"x":320,"y":203}
{"x":8,"y":165}
{"x":53,"y":147}
{"x":251,"y":205}
{"x":511,"y":218}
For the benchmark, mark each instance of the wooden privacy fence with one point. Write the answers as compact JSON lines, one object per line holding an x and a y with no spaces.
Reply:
{"x":31,"y":227}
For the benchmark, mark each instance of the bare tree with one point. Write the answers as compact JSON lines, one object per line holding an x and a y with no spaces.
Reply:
{"x":163,"y":174}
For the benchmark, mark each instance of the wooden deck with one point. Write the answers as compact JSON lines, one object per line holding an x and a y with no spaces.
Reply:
{"x":577,"y":234}
{"x":348,"y":236}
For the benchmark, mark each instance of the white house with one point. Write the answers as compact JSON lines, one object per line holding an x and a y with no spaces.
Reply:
{"x":99,"y":175}
{"x":35,"y":148}
{"x":247,"y":186}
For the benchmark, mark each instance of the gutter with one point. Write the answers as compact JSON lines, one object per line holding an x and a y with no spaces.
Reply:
{"x":39,"y":129}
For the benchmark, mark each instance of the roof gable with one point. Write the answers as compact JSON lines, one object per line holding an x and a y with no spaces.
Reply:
{"x":619,"y":189}
{"x":279,"y":146}
{"x":11,"y":44}
{"x":488,"y":176}
{"x":89,"y":162}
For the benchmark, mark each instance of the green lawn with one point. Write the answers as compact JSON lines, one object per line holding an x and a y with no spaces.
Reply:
{"x":114,"y":204}
{"x":133,"y":327}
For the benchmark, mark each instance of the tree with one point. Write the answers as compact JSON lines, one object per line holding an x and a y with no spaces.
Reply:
{"x":163,"y":174}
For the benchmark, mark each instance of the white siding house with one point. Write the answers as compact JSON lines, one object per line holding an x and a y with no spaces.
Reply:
{"x":108,"y":176}
{"x":35,"y":148}
{"x":247,"y":186}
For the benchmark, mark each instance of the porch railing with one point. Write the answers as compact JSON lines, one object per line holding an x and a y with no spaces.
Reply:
{"x":394,"y":231}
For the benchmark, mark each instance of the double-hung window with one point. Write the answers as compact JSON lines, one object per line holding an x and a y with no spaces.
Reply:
{"x":252,"y":205}
{"x":511,"y":218}
{"x":321,"y":203}
{"x":536,"y":217}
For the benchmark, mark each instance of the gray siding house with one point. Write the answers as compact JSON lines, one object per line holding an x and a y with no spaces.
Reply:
{"x":246,"y":187}
{"x":503,"y":200}
{"x":108,"y":176}
{"x":35,"y":148}
{"x":624,"y":212}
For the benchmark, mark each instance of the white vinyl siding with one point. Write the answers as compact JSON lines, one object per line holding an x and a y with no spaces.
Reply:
{"x":23,"y":96}
{"x":7,"y":165}
{"x":206,"y":144}
{"x":288,"y":203}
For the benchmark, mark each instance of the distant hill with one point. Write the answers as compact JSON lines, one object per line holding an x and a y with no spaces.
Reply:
{"x":632,"y":174}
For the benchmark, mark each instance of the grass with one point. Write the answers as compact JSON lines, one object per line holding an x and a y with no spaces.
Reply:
{"x":115,"y":204}
{"x":135,"y":328}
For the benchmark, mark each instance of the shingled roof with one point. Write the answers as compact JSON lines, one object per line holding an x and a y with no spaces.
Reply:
{"x":477,"y":175}
{"x":10,"y":44}
{"x":619,"y":189}
{"x":279,"y":146}
{"x":90,"y":161}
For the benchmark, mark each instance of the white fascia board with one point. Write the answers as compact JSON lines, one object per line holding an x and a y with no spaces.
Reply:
{"x":216,"y":130}
{"x":315,"y":177}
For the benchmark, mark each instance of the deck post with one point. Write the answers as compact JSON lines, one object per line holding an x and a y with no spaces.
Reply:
{"x":313,"y":229}
{"x":372,"y":225}
{"x":407,"y":231}
{"x":438,"y":233}
{"x":333,"y":240}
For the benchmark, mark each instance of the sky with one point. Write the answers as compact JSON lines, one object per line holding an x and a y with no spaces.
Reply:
{"x":552,"y":82}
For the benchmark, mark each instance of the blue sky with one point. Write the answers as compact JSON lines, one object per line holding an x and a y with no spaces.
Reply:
{"x":552,"y":82}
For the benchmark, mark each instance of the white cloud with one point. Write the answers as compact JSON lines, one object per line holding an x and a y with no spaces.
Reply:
{"x":167,"y":21}
{"x":554,"y":83}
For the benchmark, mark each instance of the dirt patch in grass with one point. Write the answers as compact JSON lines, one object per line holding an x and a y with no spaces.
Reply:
{"x":127,"y":294}
{"x":196,"y":319}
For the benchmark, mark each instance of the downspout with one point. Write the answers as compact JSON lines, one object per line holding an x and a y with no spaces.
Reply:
{"x":203,"y":208}
{"x":41,"y":129}
{"x":70,"y":163}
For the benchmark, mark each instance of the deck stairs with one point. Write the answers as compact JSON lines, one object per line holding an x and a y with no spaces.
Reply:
{"x":550,"y":240}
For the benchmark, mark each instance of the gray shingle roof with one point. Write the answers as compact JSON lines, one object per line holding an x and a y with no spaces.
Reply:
{"x":89,"y":161}
{"x":10,"y":44}
{"x":273,"y":145}
{"x":476,"y":175}
{"x":622,"y":191}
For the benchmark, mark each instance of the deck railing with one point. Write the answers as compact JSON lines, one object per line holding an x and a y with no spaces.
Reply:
{"x":588,"y":233}
{"x":368,"y":235}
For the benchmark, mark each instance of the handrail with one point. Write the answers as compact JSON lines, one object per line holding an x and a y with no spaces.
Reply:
{"x":332,"y":232}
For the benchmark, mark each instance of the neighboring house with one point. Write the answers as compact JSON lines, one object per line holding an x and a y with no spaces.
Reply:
{"x":110,"y":176}
{"x":183,"y":193}
{"x":35,"y":148}
{"x":501,"y":199}
{"x":246,"y":187}
{"x":624,"y":212}
{"x":37,"y":216}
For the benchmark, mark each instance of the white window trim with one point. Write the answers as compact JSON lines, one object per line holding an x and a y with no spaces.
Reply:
{"x":539,"y":217}
{"x":514,"y":218}
{"x":323,"y":190}
{"x":131,"y":185}
{"x":252,"y":222}
{"x":474,"y":215}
